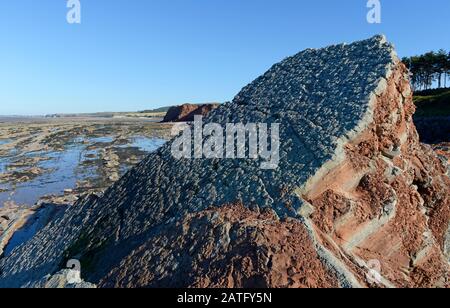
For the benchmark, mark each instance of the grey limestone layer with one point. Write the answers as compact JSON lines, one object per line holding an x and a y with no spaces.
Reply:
{"x":320,"y":97}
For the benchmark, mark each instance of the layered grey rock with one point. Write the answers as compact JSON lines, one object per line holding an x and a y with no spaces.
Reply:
{"x":322,"y":98}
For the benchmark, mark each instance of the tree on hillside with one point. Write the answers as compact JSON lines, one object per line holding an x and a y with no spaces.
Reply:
{"x":429,"y":68}
{"x":441,"y":66}
{"x":447,"y":69}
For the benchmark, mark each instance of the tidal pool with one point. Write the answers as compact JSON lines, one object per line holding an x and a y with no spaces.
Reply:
{"x":105,"y":139}
{"x":146,"y":144}
{"x":4,"y":141}
{"x":64,"y":169}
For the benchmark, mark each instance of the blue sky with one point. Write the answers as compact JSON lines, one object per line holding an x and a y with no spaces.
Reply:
{"x":131,"y":55}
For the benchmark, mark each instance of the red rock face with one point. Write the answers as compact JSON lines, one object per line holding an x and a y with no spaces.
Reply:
{"x":230,"y":247}
{"x":186,"y":113}
{"x":389,"y":200}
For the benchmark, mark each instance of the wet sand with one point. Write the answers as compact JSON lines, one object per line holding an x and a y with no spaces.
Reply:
{"x":58,"y":160}
{"x":47,"y":164}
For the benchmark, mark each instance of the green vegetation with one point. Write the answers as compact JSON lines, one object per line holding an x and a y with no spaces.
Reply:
{"x":433,"y":103}
{"x":428,"y":69}
{"x":158,"y":110}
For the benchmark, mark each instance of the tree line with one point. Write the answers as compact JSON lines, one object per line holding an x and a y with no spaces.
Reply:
{"x":429,"y":69}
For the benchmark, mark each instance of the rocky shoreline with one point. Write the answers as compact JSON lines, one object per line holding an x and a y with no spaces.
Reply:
{"x":58,"y":161}
{"x":27,"y":149}
{"x":354,"y":188}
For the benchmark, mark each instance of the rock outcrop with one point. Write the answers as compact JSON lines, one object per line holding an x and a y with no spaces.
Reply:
{"x":354,"y":188}
{"x":187,"y":112}
{"x":12,"y":218}
{"x":19,"y":224}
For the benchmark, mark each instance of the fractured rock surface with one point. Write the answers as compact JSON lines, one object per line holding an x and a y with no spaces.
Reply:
{"x":12,"y":218}
{"x":239,"y":248}
{"x":353,"y":185}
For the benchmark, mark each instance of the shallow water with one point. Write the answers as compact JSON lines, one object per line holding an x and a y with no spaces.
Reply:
{"x":64,"y":175}
{"x":105,"y":139}
{"x":4,"y":141}
{"x":65,"y":169}
{"x":3,"y":164}
{"x":146,"y":144}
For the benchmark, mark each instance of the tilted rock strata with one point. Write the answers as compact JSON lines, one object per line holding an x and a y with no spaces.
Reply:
{"x":395,"y":204}
{"x":22,"y":223}
{"x":12,"y":218}
{"x":231,"y":247}
{"x":354,"y":184}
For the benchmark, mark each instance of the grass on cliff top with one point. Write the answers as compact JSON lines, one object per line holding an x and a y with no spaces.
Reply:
{"x":157,"y":110}
{"x":433,"y":103}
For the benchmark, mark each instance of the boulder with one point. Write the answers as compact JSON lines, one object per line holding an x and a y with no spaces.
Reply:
{"x":356,"y":201}
{"x":186,"y":112}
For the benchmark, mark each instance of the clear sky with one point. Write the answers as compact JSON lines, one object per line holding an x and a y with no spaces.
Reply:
{"x":131,"y":55}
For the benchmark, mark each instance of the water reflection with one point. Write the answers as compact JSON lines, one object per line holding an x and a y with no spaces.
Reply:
{"x":64,"y":168}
